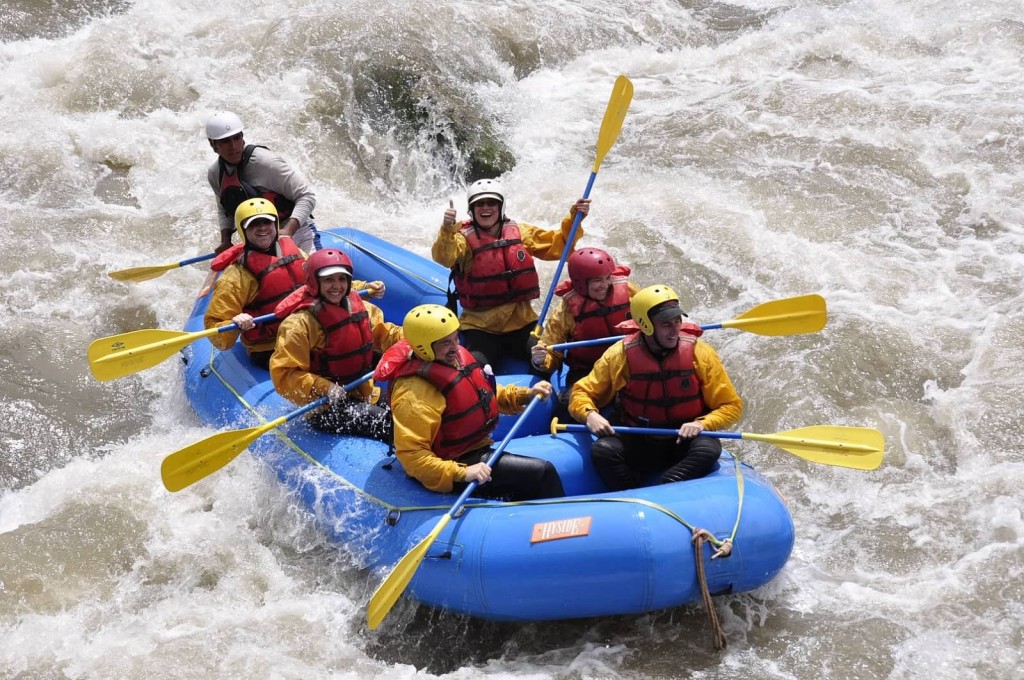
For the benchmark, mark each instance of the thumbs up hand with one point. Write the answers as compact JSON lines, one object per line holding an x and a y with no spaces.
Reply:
{"x":449,"y":214}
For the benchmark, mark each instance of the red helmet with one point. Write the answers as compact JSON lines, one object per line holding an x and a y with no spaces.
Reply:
{"x":324,"y":263}
{"x":586,"y":264}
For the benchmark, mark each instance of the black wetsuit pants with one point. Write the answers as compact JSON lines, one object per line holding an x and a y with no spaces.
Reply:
{"x":493,"y":347}
{"x":627,"y":461}
{"x":354,"y":417}
{"x":514,"y":478}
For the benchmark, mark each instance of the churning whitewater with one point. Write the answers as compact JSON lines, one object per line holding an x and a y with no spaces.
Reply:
{"x":869,"y":152}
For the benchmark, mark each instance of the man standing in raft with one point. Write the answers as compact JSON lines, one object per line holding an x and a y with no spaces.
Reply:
{"x":491,"y":258}
{"x":327,"y":340}
{"x":445,"y":408}
{"x":257,"y":274}
{"x":245,"y":171}
{"x":663,"y":376}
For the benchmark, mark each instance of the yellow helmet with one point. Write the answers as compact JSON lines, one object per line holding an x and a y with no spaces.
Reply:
{"x":426,"y":324}
{"x":647,"y":299}
{"x":251,"y":208}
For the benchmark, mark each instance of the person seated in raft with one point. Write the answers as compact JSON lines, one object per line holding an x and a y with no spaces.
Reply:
{"x":595,"y":299}
{"x":257,"y":274}
{"x":445,"y":407}
{"x":244,"y":171}
{"x":663,"y":376}
{"x":491,"y":258}
{"x":327,"y":339}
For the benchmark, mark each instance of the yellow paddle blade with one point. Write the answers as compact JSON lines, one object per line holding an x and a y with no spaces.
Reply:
{"x":388,"y":592}
{"x":861,"y":448}
{"x":192,"y":463}
{"x":611,"y":125}
{"x":789,"y":316}
{"x":119,"y":355}
{"x":142,"y":273}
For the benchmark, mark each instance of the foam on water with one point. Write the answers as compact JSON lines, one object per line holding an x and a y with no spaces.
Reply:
{"x":867,"y":151}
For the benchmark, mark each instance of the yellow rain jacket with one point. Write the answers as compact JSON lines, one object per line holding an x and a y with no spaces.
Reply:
{"x":417,"y":407}
{"x":558,"y":328}
{"x":611,"y":373}
{"x":301,"y":333}
{"x":450,"y":248}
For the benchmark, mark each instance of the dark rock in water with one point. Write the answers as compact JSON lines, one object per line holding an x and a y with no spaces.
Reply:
{"x":23,"y":20}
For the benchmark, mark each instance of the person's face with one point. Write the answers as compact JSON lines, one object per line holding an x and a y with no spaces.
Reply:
{"x":334,"y":287}
{"x":260,"y":234}
{"x":666,"y":333}
{"x":446,"y":350}
{"x":230,"y":148}
{"x":487,"y":212}
{"x":597,"y":287}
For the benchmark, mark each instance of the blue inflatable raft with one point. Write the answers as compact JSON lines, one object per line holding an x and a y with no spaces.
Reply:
{"x":592,"y":553}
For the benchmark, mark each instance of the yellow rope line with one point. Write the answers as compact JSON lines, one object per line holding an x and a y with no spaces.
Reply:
{"x":302,"y":452}
{"x":724,"y":547}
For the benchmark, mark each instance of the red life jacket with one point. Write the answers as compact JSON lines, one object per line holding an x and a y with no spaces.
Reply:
{"x":348,"y":349}
{"x":471,"y":405}
{"x":662,"y":392}
{"x":234,"y":189}
{"x":502,"y":269}
{"x":277,"y":275}
{"x":595,"y":319}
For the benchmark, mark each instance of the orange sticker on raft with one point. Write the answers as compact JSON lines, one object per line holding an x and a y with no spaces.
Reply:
{"x":560,"y":528}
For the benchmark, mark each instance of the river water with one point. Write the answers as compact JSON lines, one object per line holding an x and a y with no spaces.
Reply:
{"x":866,"y":150}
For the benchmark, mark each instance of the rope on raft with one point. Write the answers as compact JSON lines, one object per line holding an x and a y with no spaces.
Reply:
{"x":700,"y":536}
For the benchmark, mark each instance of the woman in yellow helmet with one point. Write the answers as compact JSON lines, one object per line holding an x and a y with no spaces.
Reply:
{"x":663,"y":377}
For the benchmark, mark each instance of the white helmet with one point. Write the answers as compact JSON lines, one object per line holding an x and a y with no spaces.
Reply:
{"x":222,"y":124}
{"x":485,"y":188}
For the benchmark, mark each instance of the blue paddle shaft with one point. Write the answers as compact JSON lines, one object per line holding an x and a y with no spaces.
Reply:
{"x":258,"y":320}
{"x":658,"y":431}
{"x":565,"y":254}
{"x":585,"y":343}
{"x":471,"y":487}
{"x":197,"y":258}
{"x":323,"y":400}
{"x":270,"y":317}
{"x":609,"y":340}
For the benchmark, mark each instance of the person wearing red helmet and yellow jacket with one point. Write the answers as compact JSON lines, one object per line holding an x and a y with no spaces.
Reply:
{"x":594,"y":301}
{"x":663,"y":377}
{"x":328,"y":339}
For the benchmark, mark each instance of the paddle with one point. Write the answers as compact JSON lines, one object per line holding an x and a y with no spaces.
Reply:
{"x":116,"y":356}
{"x":192,"y":463}
{"x":788,"y":316}
{"x":146,"y":273}
{"x":618,"y":104}
{"x":394,"y":585}
{"x":860,"y":448}
{"x":119,"y":355}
